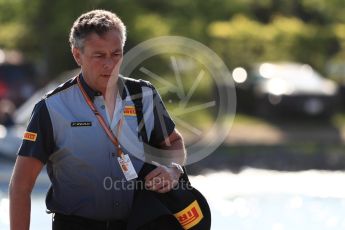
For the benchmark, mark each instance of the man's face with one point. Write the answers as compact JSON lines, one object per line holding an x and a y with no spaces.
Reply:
{"x":100,"y":59}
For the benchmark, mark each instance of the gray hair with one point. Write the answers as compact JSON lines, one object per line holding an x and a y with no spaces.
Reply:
{"x":95,"y":21}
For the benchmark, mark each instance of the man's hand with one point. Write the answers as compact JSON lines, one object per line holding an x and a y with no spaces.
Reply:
{"x":162,"y":179}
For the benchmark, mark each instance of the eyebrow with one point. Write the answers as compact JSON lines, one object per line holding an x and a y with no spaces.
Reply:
{"x":117,"y":50}
{"x":102,"y":52}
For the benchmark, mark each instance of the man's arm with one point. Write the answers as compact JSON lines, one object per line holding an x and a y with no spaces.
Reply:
{"x":23,"y":178}
{"x":162,"y":179}
{"x":174,"y":143}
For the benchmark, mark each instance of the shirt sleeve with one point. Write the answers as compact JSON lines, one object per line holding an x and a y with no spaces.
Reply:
{"x":38,"y":139}
{"x":163,"y":124}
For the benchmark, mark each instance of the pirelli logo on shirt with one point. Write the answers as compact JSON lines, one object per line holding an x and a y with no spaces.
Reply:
{"x":129,"y":111}
{"x":29,"y":136}
{"x":190,"y":216}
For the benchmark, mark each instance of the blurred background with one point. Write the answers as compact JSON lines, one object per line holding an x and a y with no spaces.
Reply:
{"x":282,"y":164}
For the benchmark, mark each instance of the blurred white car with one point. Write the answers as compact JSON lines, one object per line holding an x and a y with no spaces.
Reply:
{"x":291,"y":88}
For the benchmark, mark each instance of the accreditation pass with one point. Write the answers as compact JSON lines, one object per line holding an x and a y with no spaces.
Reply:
{"x":127,"y":167}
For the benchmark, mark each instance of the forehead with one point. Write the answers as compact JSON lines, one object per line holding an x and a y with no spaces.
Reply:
{"x":110,"y":40}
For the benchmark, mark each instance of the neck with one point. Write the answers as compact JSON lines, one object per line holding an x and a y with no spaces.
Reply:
{"x":91,"y":85}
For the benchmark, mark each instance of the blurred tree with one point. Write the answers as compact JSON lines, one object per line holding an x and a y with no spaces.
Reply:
{"x":301,"y":30}
{"x":331,"y":11}
{"x":242,"y":41}
{"x":12,"y":28}
{"x":47,"y":41}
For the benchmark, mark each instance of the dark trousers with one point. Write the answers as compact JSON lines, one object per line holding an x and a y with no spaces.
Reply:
{"x":64,"y":222}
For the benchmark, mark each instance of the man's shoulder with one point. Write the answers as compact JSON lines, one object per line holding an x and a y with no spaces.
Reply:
{"x":132,"y":82}
{"x":62,"y":87}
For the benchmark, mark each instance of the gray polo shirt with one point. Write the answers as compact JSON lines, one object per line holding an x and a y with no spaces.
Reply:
{"x":81,"y":161}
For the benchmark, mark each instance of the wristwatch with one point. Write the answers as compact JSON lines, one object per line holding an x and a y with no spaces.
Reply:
{"x":177,"y":166}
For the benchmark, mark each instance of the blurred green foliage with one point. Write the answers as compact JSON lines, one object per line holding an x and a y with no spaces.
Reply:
{"x":240,"y":31}
{"x":242,"y":41}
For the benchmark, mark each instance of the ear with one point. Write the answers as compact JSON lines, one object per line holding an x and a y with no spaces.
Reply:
{"x":77,"y":56}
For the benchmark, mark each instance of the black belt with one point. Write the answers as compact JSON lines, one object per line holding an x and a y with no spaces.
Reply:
{"x":90,"y":223}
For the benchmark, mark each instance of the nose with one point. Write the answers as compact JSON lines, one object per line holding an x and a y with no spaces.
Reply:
{"x":109,"y":63}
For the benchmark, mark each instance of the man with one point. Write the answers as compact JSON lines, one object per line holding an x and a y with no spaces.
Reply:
{"x":86,"y":131}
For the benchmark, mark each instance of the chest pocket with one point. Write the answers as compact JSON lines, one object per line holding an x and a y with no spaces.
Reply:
{"x":85,"y":138}
{"x":82,"y":132}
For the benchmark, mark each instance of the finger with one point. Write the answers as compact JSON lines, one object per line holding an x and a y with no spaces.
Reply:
{"x":156,"y":187}
{"x":157,"y":184}
{"x":154,"y":181}
{"x":154,"y":173}
{"x":164,"y":189}
{"x":167,"y":186}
